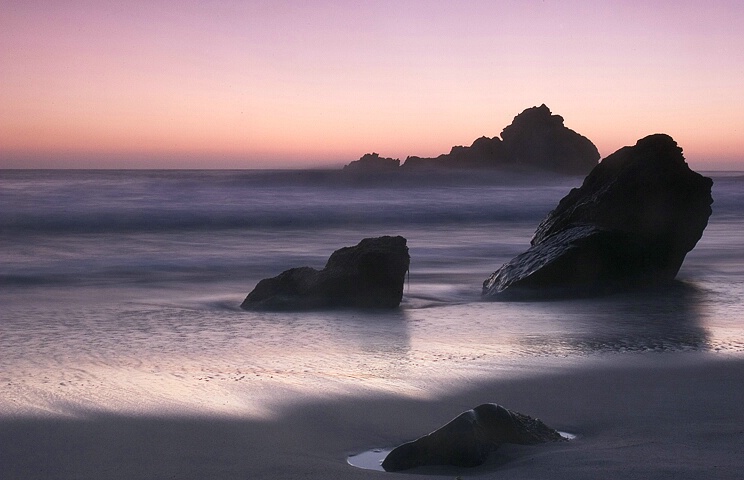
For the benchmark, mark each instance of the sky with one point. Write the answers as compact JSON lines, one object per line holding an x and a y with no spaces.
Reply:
{"x":288,"y":84}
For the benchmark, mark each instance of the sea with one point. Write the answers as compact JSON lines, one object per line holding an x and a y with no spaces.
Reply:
{"x":120,"y":290}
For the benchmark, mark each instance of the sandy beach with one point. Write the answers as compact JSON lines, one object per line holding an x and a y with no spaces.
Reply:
{"x":650,"y":416}
{"x":124,"y":353}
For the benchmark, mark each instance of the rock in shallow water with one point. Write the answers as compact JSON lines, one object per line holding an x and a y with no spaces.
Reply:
{"x":470,"y":438}
{"x":368,"y":275}
{"x":632,"y":222}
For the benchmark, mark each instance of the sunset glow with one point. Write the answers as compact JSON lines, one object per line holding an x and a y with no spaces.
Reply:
{"x":302,"y":84}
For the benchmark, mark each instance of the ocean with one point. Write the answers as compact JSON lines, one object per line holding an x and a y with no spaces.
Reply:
{"x":120,"y":290}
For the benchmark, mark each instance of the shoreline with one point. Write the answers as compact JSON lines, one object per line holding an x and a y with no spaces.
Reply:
{"x":651,"y":416}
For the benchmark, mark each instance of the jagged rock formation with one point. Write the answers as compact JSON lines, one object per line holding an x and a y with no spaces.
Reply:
{"x":632,"y":222}
{"x":539,"y":139}
{"x":483,"y":153}
{"x":535,"y":140}
{"x":368,"y":275}
{"x":467,"y":440}
{"x":372,"y":162}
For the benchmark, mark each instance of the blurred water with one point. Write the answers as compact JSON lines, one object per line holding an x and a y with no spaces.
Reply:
{"x":120,"y":290}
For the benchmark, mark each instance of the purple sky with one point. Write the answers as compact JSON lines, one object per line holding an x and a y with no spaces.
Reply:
{"x":285,"y":84}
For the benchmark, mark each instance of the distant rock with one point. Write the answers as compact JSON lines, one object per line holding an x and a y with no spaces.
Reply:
{"x":372,"y":162}
{"x":469,"y":439}
{"x":483,"y":153}
{"x":368,"y":275}
{"x":535,"y":140}
{"x":632,"y":222}
{"x":539,"y":139}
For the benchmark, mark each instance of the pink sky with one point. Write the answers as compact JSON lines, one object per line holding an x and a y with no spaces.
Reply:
{"x":249,"y":84}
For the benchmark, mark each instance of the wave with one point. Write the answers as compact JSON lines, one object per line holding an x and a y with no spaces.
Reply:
{"x":140,"y":275}
{"x":283,"y":215}
{"x":154,"y":201}
{"x":132,"y":202}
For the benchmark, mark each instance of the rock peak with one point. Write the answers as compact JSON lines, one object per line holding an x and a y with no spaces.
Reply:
{"x":538,"y":138}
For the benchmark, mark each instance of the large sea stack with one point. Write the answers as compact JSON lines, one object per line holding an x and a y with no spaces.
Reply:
{"x":368,"y":275}
{"x":469,"y":439}
{"x":535,"y":140}
{"x":631,"y":222}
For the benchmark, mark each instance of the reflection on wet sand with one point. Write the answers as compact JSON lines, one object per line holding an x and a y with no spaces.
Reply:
{"x":661,"y":319}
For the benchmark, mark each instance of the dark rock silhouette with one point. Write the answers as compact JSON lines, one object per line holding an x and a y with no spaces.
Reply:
{"x":535,"y":140}
{"x":631,"y":222}
{"x":539,"y":139}
{"x":483,"y":153}
{"x":368,"y":275}
{"x":469,"y":439}
{"x":372,"y":162}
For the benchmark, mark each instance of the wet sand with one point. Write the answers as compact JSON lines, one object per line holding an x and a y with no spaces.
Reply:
{"x":652,"y":416}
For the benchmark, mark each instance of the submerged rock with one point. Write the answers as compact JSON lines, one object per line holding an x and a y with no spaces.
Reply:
{"x":631,"y":222}
{"x":368,"y":275}
{"x":470,"y":438}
